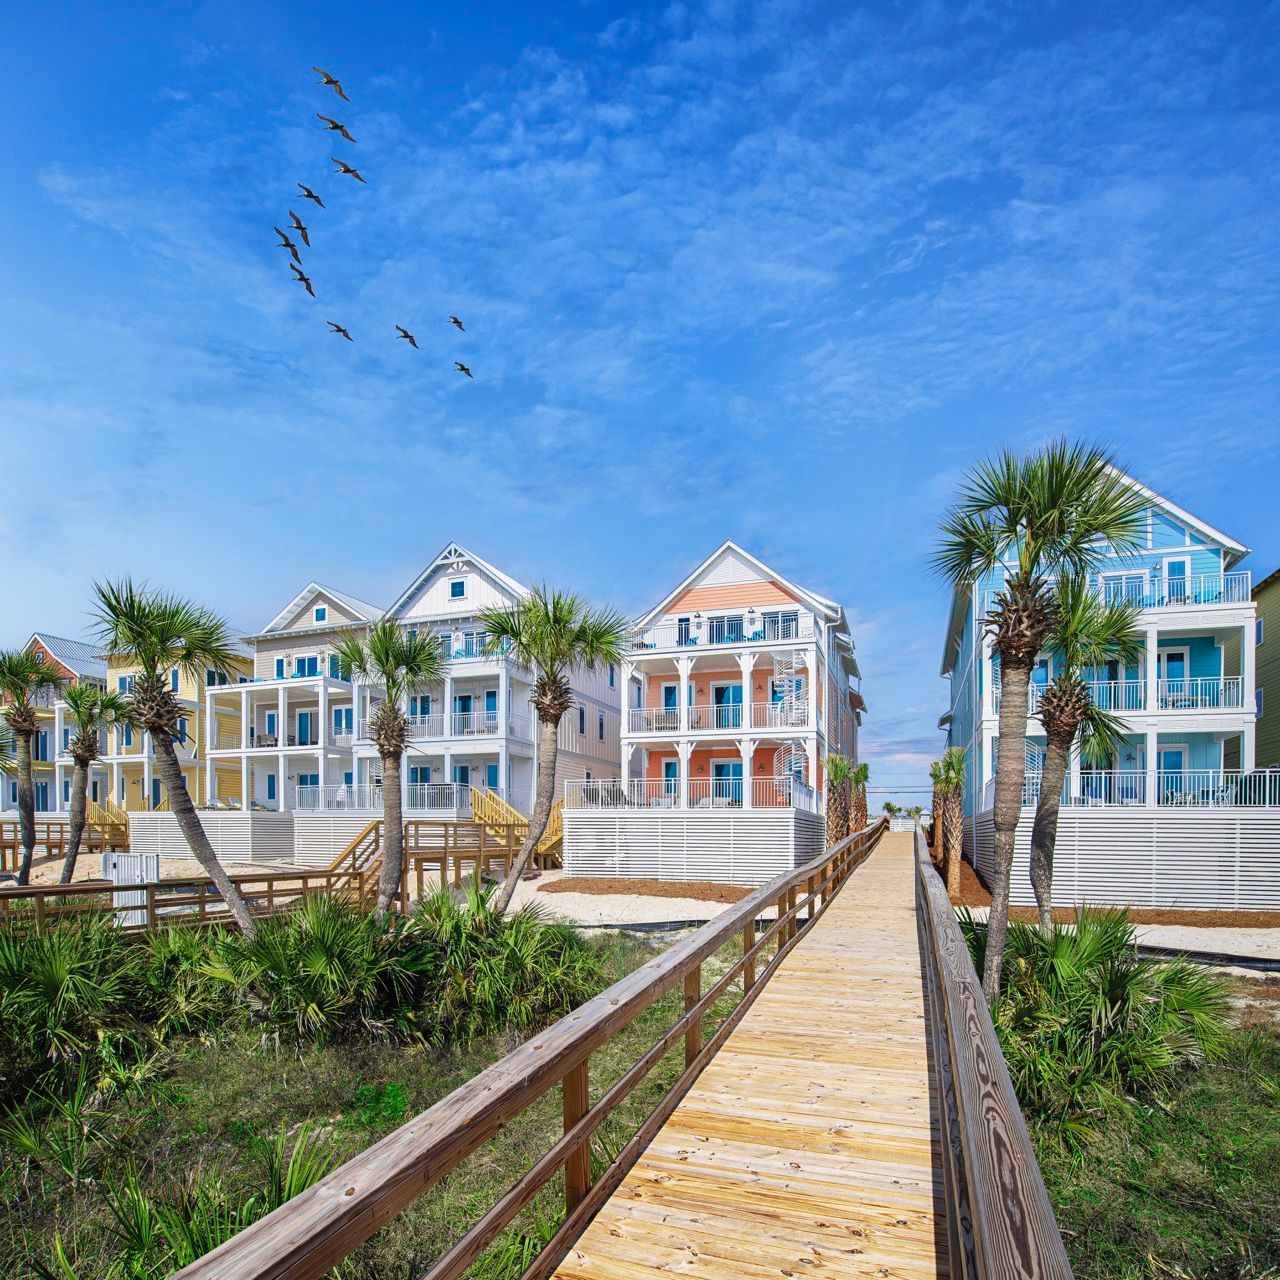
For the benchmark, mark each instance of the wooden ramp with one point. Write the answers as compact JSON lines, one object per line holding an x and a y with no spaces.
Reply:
{"x":809,"y":1146}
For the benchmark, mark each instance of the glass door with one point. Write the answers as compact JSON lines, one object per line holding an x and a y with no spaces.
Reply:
{"x":726,"y":782}
{"x":671,"y":780}
{"x":1177,"y":575}
{"x":727,"y":702}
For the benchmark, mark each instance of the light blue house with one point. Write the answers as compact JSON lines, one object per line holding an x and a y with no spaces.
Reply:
{"x":1189,"y":705}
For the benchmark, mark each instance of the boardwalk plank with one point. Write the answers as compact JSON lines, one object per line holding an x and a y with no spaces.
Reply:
{"x":810,"y":1144}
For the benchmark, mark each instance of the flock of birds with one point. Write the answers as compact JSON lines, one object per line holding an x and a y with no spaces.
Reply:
{"x":304,"y":233}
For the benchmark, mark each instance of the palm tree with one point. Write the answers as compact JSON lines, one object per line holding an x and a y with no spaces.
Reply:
{"x":1031,"y":519}
{"x":398,"y":662}
{"x":159,"y":634}
{"x":839,"y":797}
{"x":90,"y":710}
{"x":1088,"y":632}
{"x":553,"y":633}
{"x":935,"y":850}
{"x":949,"y":786}
{"x":858,"y":780}
{"x":891,"y":809}
{"x":23,"y":679}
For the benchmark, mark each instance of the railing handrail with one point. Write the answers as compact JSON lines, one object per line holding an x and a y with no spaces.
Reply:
{"x":305,"y":1238}
{"x":1000,"y":1221}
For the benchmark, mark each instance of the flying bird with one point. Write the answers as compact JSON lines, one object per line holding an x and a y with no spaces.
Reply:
{"x":302,"y":279}
{"x":344,"y":167}
{"x":296,"y":225}
{"x":308,"y":194}
{"x":335,"y":126}
{"x":337,"y":328}
{"x":462,"y":368}
{"x":402,"y":332}
{"x":286,"y":243}
{"x":328,"y":80}
{"x":455,"y":321}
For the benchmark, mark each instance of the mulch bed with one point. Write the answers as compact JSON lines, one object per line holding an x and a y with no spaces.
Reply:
{"x":973,"y":893}
{"x":699,"y":890}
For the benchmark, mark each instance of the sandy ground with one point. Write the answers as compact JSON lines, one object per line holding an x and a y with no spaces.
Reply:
{"x":89,"y":867}
{"x":606,"y":909}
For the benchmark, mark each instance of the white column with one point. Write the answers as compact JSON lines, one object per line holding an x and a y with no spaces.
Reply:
{"x":146,"y":772}
{"x":1248,"y":689}
{"x":1073,"y":771}
{"x":683,"y":667}
{"x":324,"y":735}
{"x":208,"y":780}
{"x":747,"y":662}
{"x":244,"y":782}
{"x":282,"y":777}
{"x":282,"y":717}
{"x":246,"y":718}
{"x":58,"y":805}
{"x":1151,"y":737}
{"x":504,"y":699}
{"x":811,"y":677}
{"x":1249,"y":747}
{"x":447,"y":722}
{"x":504,"y":751}
{"x":625,"y":752}
{"x":1151,"y":667}
{"x":747,"y":749}
{"x":115,"y":785}
{"x":685,"y":751}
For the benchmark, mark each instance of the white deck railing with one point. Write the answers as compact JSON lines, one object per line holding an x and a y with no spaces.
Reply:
{"x":1196,"y":788}
{"x":1200,"y":693}
{"x":722,"y":631}
{"x":706,"y":718}
{"x":1093,"y":788}
{"x":1138,"y":587}
{"x":338,"y":797}
{"x":703,"y":793}
{"x":1109,"y":695}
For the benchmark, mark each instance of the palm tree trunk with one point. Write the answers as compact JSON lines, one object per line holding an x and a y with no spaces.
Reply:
{"x":392,"y":835}
{"x":937,"y":851}
{"x":951,"y":840}
{"x":1010,"y":773}
{"x":75,"y":828}
{"x":1044,"y":835}
{"x":26,"y":808}
{"x":175,"y":787}
{"x":847,"y":800}
{"x":548,"y":746}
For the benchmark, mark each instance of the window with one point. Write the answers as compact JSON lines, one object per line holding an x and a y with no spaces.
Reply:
{"x":38,"y":655}
{"x":181,"y":735}
{"x":271,"y":786}
{"x":335,"y":667}
{"x":1257,"y":632}
{"x":173,"y":680}
{"x":602,"y":726}
{"x":307,"y":666}
{"x":612,"y":675}
{"x":124,"y":684}
{"x":458,"y":589}
{"x":128,"y":735}
{"x":66,"y":740}
{"x":321,"y":613}
{"x":279,"y":668}
{"x":1257,"y":698}
{"x":66,"y":791}
{"x":582,"y":720}
{"x":212,"y":677}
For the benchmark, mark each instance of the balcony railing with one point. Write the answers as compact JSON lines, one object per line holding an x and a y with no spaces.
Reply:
{"x":363,"y":797}
{"x":462,"y":724}
{"x":428,"y":797}
{"x":1219,"y":788}
{"x":1148,"y":591}
{"x":1196,"y":788}
{"x":1200,"y":693}
{"x":708,"y":718}
{"x":1108,"y":695}
{"x":717,"y":632}
{"x":703,"y":793}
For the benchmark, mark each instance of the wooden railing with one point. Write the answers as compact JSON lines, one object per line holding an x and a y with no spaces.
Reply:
{"x":311,"y":1234}
{"x":457,"y":850}
{"x":1000,"y":1222}
{"x":190,"y":901}
{"x":51,"y":836}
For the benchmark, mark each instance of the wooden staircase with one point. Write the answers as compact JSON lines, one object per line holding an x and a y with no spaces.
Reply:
{"x":356,"y":867}
{"x":492,"y":812}
{"x":107,"y":825}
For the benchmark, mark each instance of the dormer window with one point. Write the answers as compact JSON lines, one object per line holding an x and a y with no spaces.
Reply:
{"x":321,"y":613}
{"x":458,"y":589}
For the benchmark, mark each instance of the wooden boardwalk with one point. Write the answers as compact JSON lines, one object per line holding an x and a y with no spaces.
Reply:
{"x":810,"y":1144}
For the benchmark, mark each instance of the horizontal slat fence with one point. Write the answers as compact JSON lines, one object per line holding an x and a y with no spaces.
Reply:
{"x":1000,"y":1222}
{"x":315,"y":1231}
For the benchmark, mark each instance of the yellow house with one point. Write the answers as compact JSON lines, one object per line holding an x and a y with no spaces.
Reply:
{"x":129,"y":758}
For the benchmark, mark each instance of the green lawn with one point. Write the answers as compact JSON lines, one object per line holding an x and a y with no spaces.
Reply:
{"x":1190,"y":1188}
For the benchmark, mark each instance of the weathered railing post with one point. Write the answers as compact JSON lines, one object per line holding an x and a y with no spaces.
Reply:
{"x":749,"y":961}
{"x":693,"y":1033}
{"x":577,"y":1165}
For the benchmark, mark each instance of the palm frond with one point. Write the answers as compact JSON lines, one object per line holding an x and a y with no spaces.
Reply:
{"x":555,"y":632}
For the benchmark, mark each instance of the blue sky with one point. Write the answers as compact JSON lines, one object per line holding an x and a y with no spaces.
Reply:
{"x":777,"y":272}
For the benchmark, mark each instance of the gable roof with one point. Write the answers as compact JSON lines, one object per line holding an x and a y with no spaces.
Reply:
{"x":819,"y":604}
{"x":454,"y":553}
{"x":77,"y":656}
{"x":1238,"y":549}
{"x":362,"y":609}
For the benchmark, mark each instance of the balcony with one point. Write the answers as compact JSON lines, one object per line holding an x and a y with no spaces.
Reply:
{"x":704,"y":793}
{"x":1181,"y":788}
{"x":747,"y":628}
{"x":1200,"y":694}
{"x":468,"y":724}
{"x":711,"y":719}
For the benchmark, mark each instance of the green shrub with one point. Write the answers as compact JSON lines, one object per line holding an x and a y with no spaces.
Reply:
{"x":1087,"y":1024}
{"x":376,"y":1105}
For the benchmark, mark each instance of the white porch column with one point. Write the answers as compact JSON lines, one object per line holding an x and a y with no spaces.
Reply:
{"x":1248,"y":691}
{"x":685,"y":751}
{"x":208,"y":780}
{"x":282,"y":778}
{"x":246,"y":718}
{"x":325,"y":734}
{"x":747,"y":662}
{"x":1248,"y":747}
{"x":1073,"y":771}
{"x":811,"y":677}
{"x":282,"y":717}
{"x":115,"y":785}
{"x":146,"y":771}
{"x":245,"y":797}
{"x":747,"y":749}
{"x":58,"y":773}
{"x":1151,"y":667}
{"x":683,"y":667}
{"x":1151,"y":740}
{"x":504,"y":769}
